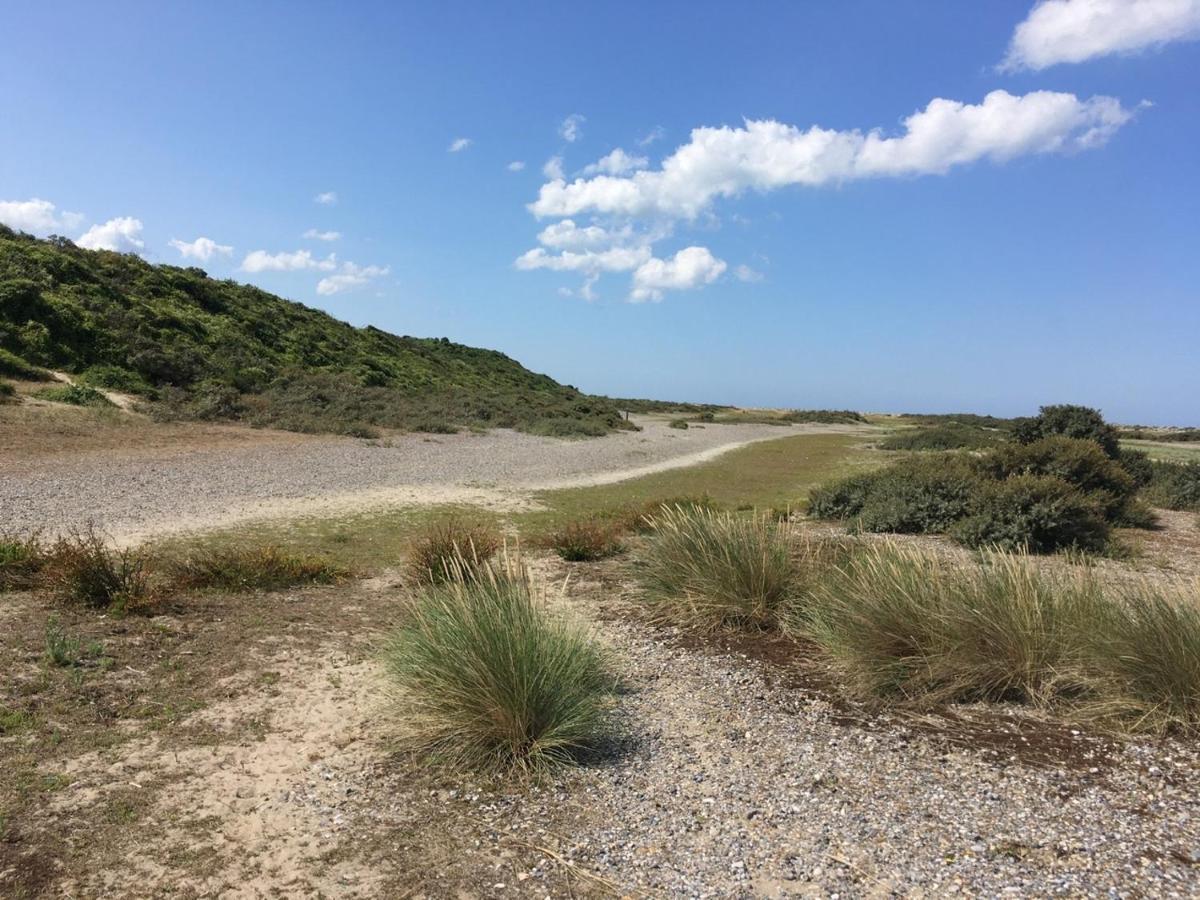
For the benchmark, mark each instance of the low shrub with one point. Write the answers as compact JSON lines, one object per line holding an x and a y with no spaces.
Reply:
{"x":450,"y":544}
{"x":12,"y":366}
{"x":1137,"y":466}
{"x":22,"y":557}
{"x":83,"y":568}
{"x":913,"y":496}
{"x":586,"y":540}
{"x":115,"y":378}
{"x":488,"y":679}
{"x":710,"y":569}
{"x":1037,"y":513}
{"x":1174,"y":485}
{"x":265,"y":568}
{"x":1070,"y":421}
{"x":942,"y":437}
{"x":899,"y":622}
{"x":74,"y":394}
{"x":678,"y":423}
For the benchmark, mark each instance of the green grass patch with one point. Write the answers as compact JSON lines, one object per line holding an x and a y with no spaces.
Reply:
{"x":488,"y":679}
{"x":74,"y":395}
{"x":1166,"y":452}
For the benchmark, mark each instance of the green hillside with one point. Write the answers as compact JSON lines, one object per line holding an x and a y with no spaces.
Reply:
{"x":195,"y":347}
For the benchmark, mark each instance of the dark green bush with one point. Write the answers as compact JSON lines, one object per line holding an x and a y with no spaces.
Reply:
{"x":942,"y":437}
{"x":841,"y":499}
{"x":13,"y":366}
{"x":1175,"y":485}
{"x":73,"y":394}
{"x":1037,"y":513}
{"x":913,"y":496}
{"x":1137,"y":466}
{"x":1069,"y":420}
{"x":115,"y":378}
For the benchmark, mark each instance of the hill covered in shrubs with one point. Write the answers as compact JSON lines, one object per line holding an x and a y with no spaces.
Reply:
{"x":197,"y":347}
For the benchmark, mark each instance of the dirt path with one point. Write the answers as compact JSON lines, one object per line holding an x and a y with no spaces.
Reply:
{"x":141,"y":488}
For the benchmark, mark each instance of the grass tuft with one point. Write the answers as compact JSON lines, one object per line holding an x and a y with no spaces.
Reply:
{"x":22,"y":557}
{"x":83,"y":568}
{"x":448,"y":545}
{"x":489,"y":679}
{"x":586,"y":540}
{"x":265,"y":568}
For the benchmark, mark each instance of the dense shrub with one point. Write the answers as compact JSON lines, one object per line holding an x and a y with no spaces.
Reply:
{"x":74,"y":394}
{"x":710,"y":570}
{"x":1080,"y":463}
{"x":1137,"y":466}
{"x":449,"y":545}
{"x":1175,"y":485}
{"x":942,"y":437}
{"x":900,"y":622}
{"x":253,"y":568}
{"x":1068,"y":420}
{"x":1038,"y":513}
{"x":12,"y":366}
{"x":115,"y":378}
{"x":487,"y":678}
{"x":586,"y":540}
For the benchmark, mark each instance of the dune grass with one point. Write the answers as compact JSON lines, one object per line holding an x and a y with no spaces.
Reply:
{"x":449,"y":548}
{"x":488,"y":679}
{"x":586,"y":540}
{"x":262,"y":568}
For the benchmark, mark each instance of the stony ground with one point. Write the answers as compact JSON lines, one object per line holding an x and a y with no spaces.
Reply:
{"x":137,"y":489}
{"x":735,"y":772}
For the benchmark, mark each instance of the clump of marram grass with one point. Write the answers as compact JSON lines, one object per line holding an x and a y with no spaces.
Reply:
{"x":901,"y":622}
{"x":489,"y":679}
{"x":450,"y":546}
{"x":709,"y":569}
{"x":82,"y":568}
{"x":264,"y":568}
{"x":586,"y":540}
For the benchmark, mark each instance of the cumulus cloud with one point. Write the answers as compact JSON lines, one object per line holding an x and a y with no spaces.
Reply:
{"x":1071,"y":31}
{"x":747,"y":274}
{"x":516,"y":165}
{"x":614,"y":259}
{"x":328,"y":198}
{"x":553,"y":169}
{"x":690,"y":268}
{"x":459,"y":144}
{"x":571,"y":128}
{"x":122,"y":234}
{"x":314,"y":235}
{"x":566,"y":234}
{"x":765,"y":155}
{"x":37,"y":216}
{"x":616,"y":163}
{"x":300,"y":260}
{"x":350,"y":277}
{"x":202,"y":248}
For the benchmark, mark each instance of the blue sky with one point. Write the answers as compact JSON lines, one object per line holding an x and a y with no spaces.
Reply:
{"x":991,"y":253}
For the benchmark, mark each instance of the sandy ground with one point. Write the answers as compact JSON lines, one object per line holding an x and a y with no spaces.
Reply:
{"x":135,"y":489}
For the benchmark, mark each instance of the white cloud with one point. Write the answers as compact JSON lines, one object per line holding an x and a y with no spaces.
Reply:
{"x":122,"y":234}
{"x":1071,"y":31}
{"x":553,"y":169}
{"x":329,"y":198}
{"x":690,"y":268}
{"x":350,"y":277}
{"x":37,"y":216}
{"x":566,"y":234}
{"x":616,"y":163}
{"x":516,"y":165}
{"x":313,"y":235}
{"x":201,"y":248}
{"x":766,"y":155}
{"x":571,"y":128}
{"x":657,"y":133}
{"x":614,"y":259}
{"x":747,"y":274}
{"x":300,"y":260}
{"x":459,"y":144}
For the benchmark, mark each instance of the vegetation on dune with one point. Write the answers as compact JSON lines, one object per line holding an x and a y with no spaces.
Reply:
{"x":488,"y":679}
{"x":83,"y":568}
{"x":1175,"y":485}
{"x":22,"y":558}
{"x":195,"y":347}
{"x":1068,"y":420}
{"x":8,"y":391}
{"x":586,"y":540}
{"x":265,"y":568}
{"x":450,"y":548}
{"x":950,"y":436}
{"x":73,"y":395}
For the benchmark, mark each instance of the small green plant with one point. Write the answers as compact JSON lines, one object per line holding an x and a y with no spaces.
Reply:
{"x":678,"y":423}
{"x":448,"y":544}
{"x":710,"y":570}
{"x":489,"y":679}
{"x":73,"y":394}
{"x":83,"y":568}
{"x":586,"y":540}
{"x":265,"y":568}
{"x":62,"y":648}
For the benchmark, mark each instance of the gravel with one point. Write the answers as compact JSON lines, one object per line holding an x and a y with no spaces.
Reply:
{"x":139,"y":493}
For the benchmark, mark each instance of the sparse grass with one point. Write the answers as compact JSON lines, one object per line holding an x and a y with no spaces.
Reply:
{"x":62,"y":648}
{"x":586,"y":540}
{"x":451,"y":546}
{"x":21,"y":558}
{"x":265,"y":568}
{"x":82,"y":568}
{"x":711,"y":570}
{"x":489,"y":680}
{"x":74,"y":395}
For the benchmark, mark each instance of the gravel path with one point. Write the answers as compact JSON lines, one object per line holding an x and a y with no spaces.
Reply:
{"x":137,"y":493}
